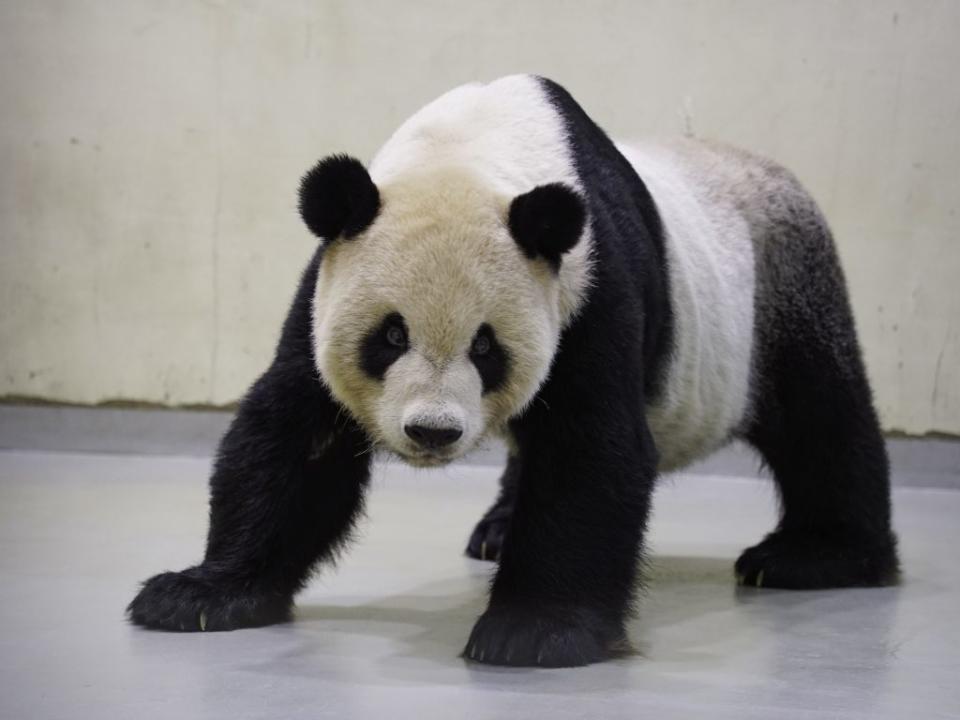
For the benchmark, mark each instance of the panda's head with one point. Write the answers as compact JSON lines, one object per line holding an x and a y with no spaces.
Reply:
{"x":439,"y":301}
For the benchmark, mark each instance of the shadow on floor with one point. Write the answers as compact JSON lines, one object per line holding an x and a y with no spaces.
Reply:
{"x":429,"y":624}
{"x":691,"y":616}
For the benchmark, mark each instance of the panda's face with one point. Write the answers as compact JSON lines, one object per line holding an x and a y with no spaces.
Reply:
{"x":433,"y":326}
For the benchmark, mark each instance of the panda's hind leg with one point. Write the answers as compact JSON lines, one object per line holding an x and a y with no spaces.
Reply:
{"x":487,"y":537}
{"x":814,"y":423}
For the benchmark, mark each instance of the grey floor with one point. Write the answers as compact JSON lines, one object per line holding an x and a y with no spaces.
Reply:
{"x":379,"y":636}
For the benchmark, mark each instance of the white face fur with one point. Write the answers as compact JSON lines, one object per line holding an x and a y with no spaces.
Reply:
{"x":439,"y":265}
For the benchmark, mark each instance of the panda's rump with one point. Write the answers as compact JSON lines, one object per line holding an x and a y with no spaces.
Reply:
{"x":710,"y":260}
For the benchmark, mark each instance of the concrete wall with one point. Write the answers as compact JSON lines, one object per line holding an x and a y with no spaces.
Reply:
{"x":149,"y":153}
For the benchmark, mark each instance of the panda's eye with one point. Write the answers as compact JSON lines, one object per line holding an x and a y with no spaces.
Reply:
{"x":490,"y":358}
{"x":396,"y":336}
{"x":384,"y":345}
{"x":481,"y":345}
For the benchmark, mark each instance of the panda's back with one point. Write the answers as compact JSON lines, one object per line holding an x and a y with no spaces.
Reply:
{"x":709,"y":239}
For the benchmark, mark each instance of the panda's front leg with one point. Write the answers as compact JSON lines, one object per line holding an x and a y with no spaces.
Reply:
{"x":288,"y":483}
{"x":287,"y":486}
{"x":565,"y":583}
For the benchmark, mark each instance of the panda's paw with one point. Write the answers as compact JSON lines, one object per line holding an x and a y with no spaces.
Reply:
{"x":801,"y":562}
{"x":197,"y":600}
{"x":486,"y":540}
{"x":544,"y":638}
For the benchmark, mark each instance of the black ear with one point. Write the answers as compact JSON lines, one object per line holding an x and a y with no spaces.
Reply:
{"x":547,"y":221}
{"x":337,"y":197}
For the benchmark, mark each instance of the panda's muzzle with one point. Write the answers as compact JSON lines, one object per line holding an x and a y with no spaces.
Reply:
{"x":432,"y":438}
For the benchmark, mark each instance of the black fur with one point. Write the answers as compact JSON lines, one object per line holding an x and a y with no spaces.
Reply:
{"x":287,"y":486}
{"x":377,"y":353}
{"x":492,"y":365}
{"x":545,"y":635}
{"x":337,"y":197}
{"x":547,"y":221}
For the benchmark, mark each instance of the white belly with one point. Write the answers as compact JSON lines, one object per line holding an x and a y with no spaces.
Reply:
{"x":711,"y":265}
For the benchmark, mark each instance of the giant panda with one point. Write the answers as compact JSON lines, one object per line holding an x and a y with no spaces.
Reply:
{"x":612,"y":311}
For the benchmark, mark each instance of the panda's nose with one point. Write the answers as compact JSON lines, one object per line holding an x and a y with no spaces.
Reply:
{"x":432,"y":438}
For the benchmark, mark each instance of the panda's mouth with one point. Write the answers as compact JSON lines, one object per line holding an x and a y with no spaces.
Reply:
{"x":425,"y":459}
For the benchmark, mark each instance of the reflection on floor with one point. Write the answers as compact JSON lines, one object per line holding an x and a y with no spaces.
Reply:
{"x":379,"y":636}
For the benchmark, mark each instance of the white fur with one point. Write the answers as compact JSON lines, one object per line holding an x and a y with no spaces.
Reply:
{"x":710,"y":257}
{"x":509,"y":134}
{"x":440,"y":254}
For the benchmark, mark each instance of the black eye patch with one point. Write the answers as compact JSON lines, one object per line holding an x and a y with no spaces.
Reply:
{"x":384,"y":345}
{"x":490,"y":358}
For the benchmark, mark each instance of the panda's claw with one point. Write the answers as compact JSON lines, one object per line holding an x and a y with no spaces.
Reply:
{"x":198,"y":599}
{"x":797,"y":562}
{"x":545,"y":637}
{"x":486,"y":540}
